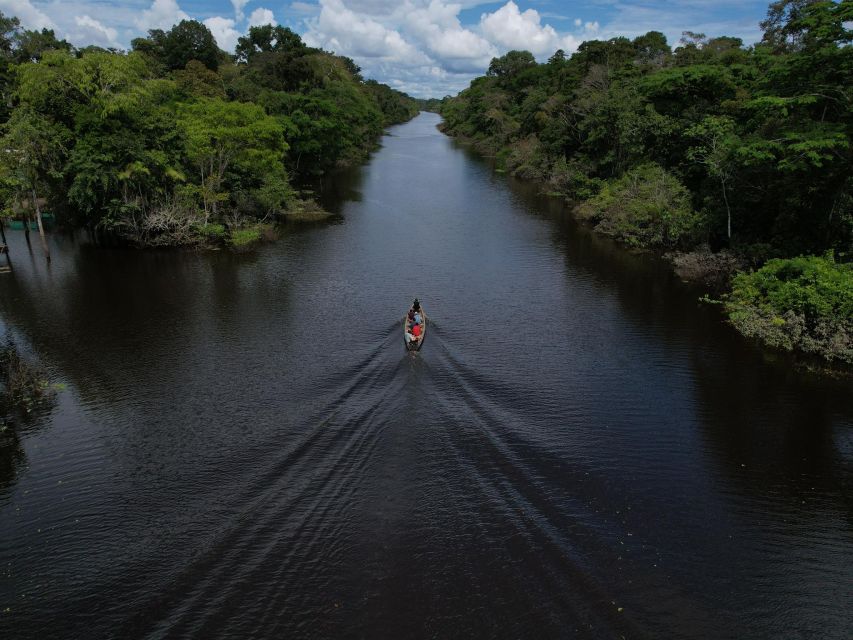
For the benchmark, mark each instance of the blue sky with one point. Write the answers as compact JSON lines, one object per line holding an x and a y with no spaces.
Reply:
{"x":424,"y":47}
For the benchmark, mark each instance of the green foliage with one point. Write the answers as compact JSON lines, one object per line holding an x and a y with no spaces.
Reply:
{"x":245,"y":236}
{"x":511,"y":64}
{"x":647,"y":207}
{"x":173,"y":143}
{"x":266,"y":39}
{"x":760,"y":137}
{"x":212,"y":231}
{"x":804,"y":303}
{"x":396,"y":107}
{"x":188,"y":40}
{"x":197,"y":81}
{"x":230,"y":145}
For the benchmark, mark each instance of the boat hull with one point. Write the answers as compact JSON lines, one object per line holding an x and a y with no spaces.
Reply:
{"x":417,"y":343}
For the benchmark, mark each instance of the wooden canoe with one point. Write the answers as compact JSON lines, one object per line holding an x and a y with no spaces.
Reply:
{"x":416,"y":343}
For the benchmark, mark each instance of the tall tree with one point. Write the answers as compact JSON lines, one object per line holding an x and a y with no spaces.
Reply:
{"x":33,"y":156}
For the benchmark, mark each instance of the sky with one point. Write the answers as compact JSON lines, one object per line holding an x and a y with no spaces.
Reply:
{"x":427,"y":48}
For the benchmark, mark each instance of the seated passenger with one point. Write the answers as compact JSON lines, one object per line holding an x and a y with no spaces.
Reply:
{"x":417,"y":318}
{"x":416,"y":331}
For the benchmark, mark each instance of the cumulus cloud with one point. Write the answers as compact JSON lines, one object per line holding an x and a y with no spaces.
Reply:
{"x":224,"y":31}
{"x":437,"y":29}
{"x":161,"y":15}
{"x":239,"y":5}
{"x":512,"y":28}
{"x":342,"y":30}
{"x":260,"y":17}
{"x":91,"y":31}
{"x":30,"y":16}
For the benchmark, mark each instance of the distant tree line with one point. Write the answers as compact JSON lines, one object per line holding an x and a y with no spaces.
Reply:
{"x":176,"y":141}
{"x":745,"y":150}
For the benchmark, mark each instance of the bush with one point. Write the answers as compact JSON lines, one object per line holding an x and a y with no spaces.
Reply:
{"x":242,"y":238}
{"x":646,"y":207}
{"x":211,"y":231}
{"x":569,"y":178}
{"x":803,"y":303}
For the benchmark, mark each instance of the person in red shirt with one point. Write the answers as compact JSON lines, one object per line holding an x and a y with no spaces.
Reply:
{"x":416,"y":331}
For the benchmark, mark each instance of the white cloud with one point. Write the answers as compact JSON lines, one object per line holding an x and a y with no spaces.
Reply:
{"x":260,"y":17}
{"x":30,"y":16}
{"x":341,"y":30}
{"x":162,"y":14}
{"x":91,"y":31}
{"x":578,"y":22}
{"x":512,"y":28}
{"x":304,"y":7}
{"x":224,"y":32}
{"x":437,"y":29}
{"x":239,"y":5}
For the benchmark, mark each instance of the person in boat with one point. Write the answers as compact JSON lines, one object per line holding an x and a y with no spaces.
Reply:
{"x":411,"y":316}
{"x":413,"y":334}
{"x":416,"y":305}
{"x":417,"y":318}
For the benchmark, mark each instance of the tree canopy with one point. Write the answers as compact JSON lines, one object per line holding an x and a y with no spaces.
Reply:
{"x":176,"y":140}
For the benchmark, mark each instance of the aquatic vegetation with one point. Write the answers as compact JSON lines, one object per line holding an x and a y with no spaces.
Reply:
{"x":23,"y":384}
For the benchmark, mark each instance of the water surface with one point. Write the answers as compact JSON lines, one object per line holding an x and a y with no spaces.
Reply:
{"x":245,"y":450}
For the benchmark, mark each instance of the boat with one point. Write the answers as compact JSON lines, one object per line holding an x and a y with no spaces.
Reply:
{"x":47,"y":219}
{"x":412,"y":343}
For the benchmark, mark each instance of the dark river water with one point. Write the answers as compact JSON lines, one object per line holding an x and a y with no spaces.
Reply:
{"x":244,"y":449}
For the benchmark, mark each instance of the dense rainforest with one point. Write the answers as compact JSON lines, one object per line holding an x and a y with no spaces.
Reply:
{"x":177,"y":142}
{"x":731,"y":157}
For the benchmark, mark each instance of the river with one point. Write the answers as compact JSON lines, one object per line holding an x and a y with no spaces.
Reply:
{"x":243,"y":448}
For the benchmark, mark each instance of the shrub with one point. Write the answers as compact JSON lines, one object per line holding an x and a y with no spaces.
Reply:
{"x":803,"y":303}
{"x":646,"y":207}
{"x":212,"y":231}
{"x":242,"y":238}
{"x":570,"y":179}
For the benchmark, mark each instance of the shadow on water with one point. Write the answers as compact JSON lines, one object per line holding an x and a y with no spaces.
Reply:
{"x":17,"y":420}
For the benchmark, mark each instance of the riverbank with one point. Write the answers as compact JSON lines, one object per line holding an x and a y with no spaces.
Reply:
{"x":711,"y":144}
{"x":187,"y":145}
{"x":648,"y":210}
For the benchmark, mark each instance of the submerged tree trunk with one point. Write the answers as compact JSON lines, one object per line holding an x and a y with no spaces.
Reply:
{"x":3,"y":234}
{"x":41,"y":227}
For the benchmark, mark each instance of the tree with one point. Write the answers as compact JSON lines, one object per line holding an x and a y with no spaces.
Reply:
{"x":226,"y":136}
{"x":511,"y":64}
{"x":716,"y":142}
{"x":30,"y":46}
{"x":188,"y":40}
{"x":781,"y":29}
{"x":652,"y":48}
{"x":268,"y":38}
{"x":33,"y":149}
{"x":199,"y":81}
